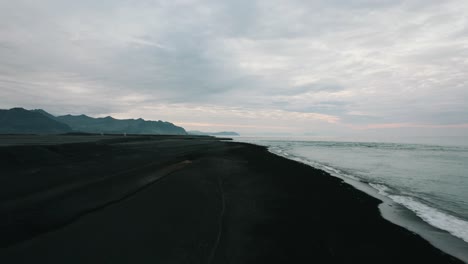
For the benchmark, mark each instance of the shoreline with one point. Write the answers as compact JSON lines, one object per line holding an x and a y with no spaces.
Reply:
{"x":399,"y":214}
{"x":230,"y":201}
{"x":396,"y":213}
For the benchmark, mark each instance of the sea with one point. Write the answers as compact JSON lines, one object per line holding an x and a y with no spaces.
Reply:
{"x":423,"y":187}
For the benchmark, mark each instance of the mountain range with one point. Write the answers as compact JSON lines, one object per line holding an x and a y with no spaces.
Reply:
{"x":22,"y":121}
{"x":38,"y":121}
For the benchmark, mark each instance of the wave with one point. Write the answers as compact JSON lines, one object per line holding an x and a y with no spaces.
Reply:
{"x":378,"y":145}
{"x":331,"y":170}
{"x":437,"y":218}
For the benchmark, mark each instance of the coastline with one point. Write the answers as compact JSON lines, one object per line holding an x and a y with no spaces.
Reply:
{"x":391,"y":211}
{"x":229,"y":201}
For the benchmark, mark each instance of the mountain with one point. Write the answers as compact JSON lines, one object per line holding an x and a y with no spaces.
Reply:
{"x":21,"y":121}
{"x":111,"y":125}
{"x":40,"y":111}
{"x":224,"y":133}
{"x":37,"y":121}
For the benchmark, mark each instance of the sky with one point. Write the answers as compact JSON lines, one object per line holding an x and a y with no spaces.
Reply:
{"x":319,"y":68}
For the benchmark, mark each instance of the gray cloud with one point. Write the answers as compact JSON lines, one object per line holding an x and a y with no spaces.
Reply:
{"x":313,"y":88}
{"x":328,"y":64}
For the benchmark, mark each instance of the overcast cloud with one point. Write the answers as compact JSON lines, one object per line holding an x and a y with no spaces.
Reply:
{"x":340,"y":67}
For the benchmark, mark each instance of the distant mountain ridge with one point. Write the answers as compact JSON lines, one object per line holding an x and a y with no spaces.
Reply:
{"x":21,"y":121}
{"x":38,"y":121}
{"x":223,"y":133}
{"x":84,"y":123}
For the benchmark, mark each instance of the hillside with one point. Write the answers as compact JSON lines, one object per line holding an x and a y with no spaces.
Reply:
{"x":22,"y":121}
{"x":109,"y":124}
{"x":38,"y":121}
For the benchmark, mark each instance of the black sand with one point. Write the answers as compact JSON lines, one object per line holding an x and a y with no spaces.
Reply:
{"x":186,"y":200}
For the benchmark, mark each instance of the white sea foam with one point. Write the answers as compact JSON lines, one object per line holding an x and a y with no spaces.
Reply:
{"x":430,"y":181}
{"x":333,"y":171}
{"x":382,"y":189}
{"x":452,"y":224}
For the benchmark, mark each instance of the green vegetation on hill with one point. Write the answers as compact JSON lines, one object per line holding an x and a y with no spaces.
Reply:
{"x":38,"y":121}
{"x":108,"y":124}
{"x":22,"y":121}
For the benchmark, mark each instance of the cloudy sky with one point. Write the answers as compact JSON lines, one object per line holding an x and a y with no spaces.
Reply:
{"x":335,"y":67}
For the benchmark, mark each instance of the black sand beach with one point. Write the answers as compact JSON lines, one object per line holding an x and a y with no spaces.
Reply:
{"x":176,"y":199}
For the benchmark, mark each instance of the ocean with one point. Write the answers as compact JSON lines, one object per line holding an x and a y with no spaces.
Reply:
{"x":430,"y":181}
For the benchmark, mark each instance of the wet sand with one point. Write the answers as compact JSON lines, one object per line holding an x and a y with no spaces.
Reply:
{"x":176,"y":199}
